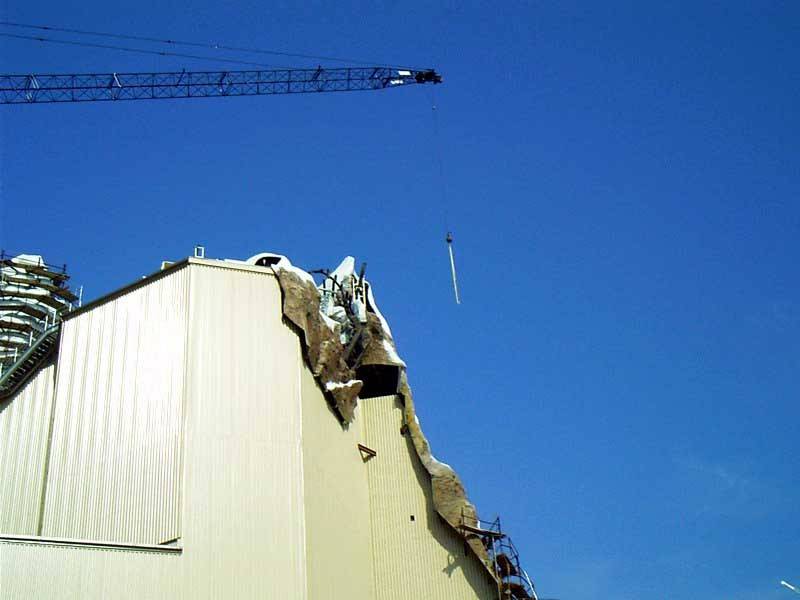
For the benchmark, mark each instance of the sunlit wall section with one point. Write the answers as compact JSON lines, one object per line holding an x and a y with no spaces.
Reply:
{"x":415,"y":554}
{"x":337,"y":501}
{"x":244,"y":528}
{"x":24,"y":427}
{"x":114,"y":472}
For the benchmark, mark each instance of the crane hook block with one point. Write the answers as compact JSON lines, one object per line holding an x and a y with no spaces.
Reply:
{"x":429,"y":76}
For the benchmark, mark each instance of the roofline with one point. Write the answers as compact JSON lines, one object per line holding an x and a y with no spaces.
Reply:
{"x":173,"y":268}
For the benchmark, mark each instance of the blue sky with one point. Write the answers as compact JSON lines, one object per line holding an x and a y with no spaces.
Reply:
{"x":620,"y":383}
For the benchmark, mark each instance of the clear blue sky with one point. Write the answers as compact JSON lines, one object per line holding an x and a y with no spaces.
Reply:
{"x":621,"y":381}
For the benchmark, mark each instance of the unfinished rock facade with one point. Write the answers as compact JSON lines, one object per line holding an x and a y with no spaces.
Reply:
{"x":370,"y":350}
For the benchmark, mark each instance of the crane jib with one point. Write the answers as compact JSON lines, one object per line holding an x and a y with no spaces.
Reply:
{"x":45,"y":88}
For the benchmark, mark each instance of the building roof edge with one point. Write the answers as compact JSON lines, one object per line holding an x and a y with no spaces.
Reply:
{"x":155,"y":276}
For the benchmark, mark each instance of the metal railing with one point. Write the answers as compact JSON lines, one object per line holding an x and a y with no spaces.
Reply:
{"x":26,"y":320}
{"x":28,"y":362}
{"x":513,"y":582}
{"x":8,"y":258}
{"x":41,"y":328}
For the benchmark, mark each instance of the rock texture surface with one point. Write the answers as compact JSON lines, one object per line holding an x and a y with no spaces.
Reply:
{"x":323,"y":351}
{"x":325,"y":355}
{"x":449,"y":495}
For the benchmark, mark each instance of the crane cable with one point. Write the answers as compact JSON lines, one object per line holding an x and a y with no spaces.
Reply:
{"x":443,"y":194}
{"x":134,"y":50}
{"x":212,"y":46}
{"x":440,"y":162}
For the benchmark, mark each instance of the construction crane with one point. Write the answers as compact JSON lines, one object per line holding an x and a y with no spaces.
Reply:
{"x":95,"y":87}
{"x":38,"y":89}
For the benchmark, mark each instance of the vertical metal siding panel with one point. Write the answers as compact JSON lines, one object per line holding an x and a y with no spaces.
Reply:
{"x":423,"y":558}
{"x":118,"y":413}
{"x":243,"y":507}
{"x":68,"y":573}
{"x":24,"y":427}
{"x":336,"y":501}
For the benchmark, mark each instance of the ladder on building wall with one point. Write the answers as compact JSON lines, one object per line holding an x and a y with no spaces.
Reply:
{"x":513,"y":582}
{"x":30,"y":360}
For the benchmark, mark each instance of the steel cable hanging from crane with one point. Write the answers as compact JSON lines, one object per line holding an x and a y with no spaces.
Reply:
{"x":443,"y":196}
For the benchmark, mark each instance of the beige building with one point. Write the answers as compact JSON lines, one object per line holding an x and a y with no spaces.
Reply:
{"x":181,"y":444}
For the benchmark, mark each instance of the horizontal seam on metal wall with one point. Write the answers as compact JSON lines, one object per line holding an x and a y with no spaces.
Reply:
{"x":89,"y":544}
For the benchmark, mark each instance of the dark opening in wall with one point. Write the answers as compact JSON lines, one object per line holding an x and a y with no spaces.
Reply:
{"x":268,"y":261}
{"x":379,"y":380}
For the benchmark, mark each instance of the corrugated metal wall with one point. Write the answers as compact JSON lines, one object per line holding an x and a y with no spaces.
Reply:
{"x":419,"y":558}
{"x":115,"y":466}
{"x":337,"y":502}
{"x":244,"y":528}
{"x":210,"y":397}
{"x":33,"y":571}
{"x":24,"y":429}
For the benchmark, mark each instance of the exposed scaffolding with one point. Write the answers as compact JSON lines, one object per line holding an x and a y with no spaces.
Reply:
{"x":513,"y":582}
{"x":33,"y":297}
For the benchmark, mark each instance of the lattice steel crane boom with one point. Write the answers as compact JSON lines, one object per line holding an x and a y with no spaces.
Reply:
{"x":37,"y":89}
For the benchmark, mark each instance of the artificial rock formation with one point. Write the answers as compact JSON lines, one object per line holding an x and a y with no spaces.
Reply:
{"x":325,"y":354}
{"x":323,"y":350}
